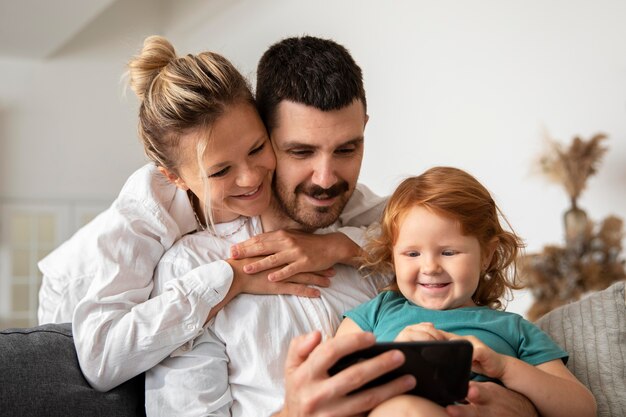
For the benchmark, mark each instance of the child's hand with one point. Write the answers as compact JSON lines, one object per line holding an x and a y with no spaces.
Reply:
{"x":485,"y":361}
{"x":421,"y":332}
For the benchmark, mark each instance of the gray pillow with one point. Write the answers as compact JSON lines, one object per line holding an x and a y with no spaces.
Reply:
{"x":593,"y":331}
{"x":40,"y":376}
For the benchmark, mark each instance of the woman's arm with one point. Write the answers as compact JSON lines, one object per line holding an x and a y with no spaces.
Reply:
{"x":119,"y":332}
{"x":192,"y":382}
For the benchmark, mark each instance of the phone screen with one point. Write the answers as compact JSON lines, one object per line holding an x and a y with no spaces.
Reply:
{"x":442,"y":368}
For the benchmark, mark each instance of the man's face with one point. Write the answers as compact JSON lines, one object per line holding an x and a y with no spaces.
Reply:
{"x":318,"y":159}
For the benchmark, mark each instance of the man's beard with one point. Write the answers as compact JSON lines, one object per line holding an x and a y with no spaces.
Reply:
{"x":311,"y":217}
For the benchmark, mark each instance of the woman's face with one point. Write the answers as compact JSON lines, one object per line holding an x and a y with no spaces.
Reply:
{"x":238,"y":161}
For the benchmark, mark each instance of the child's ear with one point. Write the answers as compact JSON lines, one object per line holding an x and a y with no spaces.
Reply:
{"x":490,"y":249}
{"x":173,"y":178}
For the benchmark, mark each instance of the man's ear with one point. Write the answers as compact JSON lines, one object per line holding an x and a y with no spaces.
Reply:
{"x":173,"y":178}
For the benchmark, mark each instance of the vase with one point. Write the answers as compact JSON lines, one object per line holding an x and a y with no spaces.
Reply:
{"x":576,"y":227}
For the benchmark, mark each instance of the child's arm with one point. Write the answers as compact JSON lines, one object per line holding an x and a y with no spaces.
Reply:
{"x":348,"y":326}
{"x":550,"y":386}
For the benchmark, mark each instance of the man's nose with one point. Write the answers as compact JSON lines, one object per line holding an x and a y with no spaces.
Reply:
{"x":324,"y":173}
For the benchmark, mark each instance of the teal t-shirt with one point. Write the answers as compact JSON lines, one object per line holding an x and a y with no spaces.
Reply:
{"x":506,"y":333}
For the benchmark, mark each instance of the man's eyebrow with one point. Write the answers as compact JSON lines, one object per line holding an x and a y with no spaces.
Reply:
{"x":296,"y":144}
{"x":355,"y":141}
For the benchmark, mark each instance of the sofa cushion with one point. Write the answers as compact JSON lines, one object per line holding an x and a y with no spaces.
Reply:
{"x":593,"y":331}
{"x":40,"y":376}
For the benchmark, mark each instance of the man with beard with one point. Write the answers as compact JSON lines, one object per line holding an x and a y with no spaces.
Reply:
{"x":318,"y":136}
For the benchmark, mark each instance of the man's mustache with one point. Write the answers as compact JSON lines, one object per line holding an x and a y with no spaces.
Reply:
{"x":316,"y":191}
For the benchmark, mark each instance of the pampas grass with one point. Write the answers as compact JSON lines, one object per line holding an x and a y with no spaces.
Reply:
{"x":571,"y":167}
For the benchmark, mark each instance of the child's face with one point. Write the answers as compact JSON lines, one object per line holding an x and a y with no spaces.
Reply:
{"x":436,"y":266}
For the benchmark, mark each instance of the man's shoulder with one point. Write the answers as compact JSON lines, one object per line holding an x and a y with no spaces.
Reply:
{"x":364,"y":207}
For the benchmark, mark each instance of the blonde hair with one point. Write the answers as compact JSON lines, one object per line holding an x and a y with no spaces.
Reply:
{"x":180,"y":94}
{"x":453,"y":193}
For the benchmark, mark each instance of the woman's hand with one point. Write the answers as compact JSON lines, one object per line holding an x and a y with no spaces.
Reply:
{"x":244,"y":283}
{"x":258,"y":283}
{"x":285,"y":253}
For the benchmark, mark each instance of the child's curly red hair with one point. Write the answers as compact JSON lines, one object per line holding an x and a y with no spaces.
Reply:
{"x":453,"y":193}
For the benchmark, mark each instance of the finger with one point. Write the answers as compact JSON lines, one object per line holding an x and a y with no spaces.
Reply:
{"x":475,"y":396}
{"x":370,"y":398}
{"x":250,"y":248}
{"x":433,"y":333}
{"x":295,"y":268}
{"x":310,"y":279}
{"x":287,"y":271}
{"x":333,"y":349}
{"x":475,"y":393}
{"x":462,"y":411}
{"x":300,"y":348}
{"x":363,"y":372}
{"x":271,"y":261}
{"x":410,"y":335}
{"x":263,"y":244}
{"x":300,"y":290}
{"x":330,"y":272}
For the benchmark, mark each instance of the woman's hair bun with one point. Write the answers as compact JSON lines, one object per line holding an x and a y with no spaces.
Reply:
{"x":156,"y":53}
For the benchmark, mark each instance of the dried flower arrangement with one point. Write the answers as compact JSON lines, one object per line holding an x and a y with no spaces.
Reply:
{"x":590,"y":259}
{"x":572,"y":167}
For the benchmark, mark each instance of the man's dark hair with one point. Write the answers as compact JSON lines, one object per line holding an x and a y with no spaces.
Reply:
{"x":307,"y":70}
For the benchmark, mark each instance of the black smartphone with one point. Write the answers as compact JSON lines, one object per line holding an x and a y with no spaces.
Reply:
{"x":442,"y":368}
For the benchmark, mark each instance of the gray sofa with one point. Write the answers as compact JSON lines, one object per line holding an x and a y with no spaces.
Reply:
{"x":40,"y":377}
{"x":39,"y":373}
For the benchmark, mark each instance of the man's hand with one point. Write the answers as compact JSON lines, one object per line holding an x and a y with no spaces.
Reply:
{"x":289,"y":252}
{"x":310,"y":391}
{"x":488,"y":399}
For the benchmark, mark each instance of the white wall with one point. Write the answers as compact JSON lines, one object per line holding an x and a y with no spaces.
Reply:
{"x":469,"y":84}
